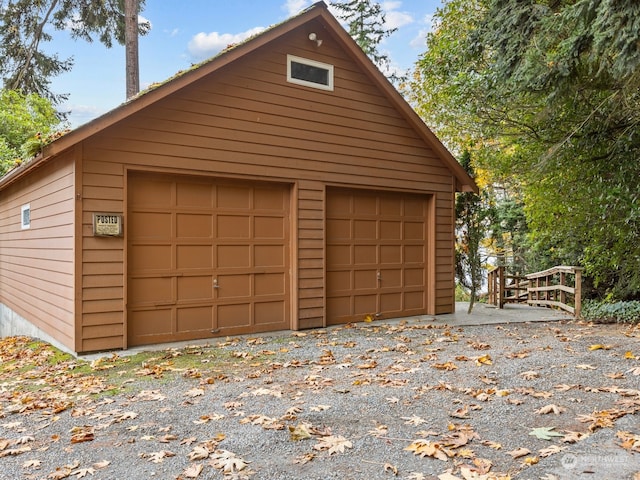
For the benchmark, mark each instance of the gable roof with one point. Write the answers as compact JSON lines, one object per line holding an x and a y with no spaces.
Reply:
{"x":317,"y":11}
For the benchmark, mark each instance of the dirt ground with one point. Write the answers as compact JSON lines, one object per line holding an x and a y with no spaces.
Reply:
{"x":511,"y":397}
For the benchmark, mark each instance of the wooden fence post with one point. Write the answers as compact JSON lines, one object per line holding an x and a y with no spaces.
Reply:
{"x":577,"y":297}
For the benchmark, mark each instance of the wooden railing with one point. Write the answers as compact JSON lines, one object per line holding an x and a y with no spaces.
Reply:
{"x":559,"y":287}
{"x":505,"y":288}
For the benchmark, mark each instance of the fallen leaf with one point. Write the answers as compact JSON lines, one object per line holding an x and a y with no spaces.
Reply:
{"x":227,"y":461}
{"x":193,"y":471}
{"x":33,"y":463}
{"x":484,"y":360}
{"x":552,"y":450}
{"x":530,"y":375}
{"x":531,"y":460}
{"x":550,"y":409}
{"x":519,"y":452}
{"x":414,"y":420}
{"x":83,"y":472}
{"x":445,"y":366}
{"x":425,"y":448}
{"x":194,"y":392}
{"x":299,"y":432}
{"x":573,"y":437}
{"x":391,"y":468}
{"x":586,"y":367}
{"x":333,"y":444}
{"x":200,"y":452}
{"x":599,"y":346}
{"x":545,"y":433}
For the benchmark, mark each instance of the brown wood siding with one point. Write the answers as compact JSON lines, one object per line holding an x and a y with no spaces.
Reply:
{"x":103,"y":271}
{"x":246,"y":121}
{"x":37,"y":264}
{"x":311,"y":242}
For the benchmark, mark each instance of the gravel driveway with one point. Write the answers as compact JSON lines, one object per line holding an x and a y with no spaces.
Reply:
{"x":410,"y":400}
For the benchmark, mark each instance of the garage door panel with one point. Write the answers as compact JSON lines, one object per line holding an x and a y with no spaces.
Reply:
{"x":203,"y":234}
{"x":195,"y":195}
{"x":234,"y":226}
{"x":414,"y":254}
{"x":365,"y":304}
{"x":268,"y":227}
{"x":414,"y":207}
{"x":269,"y":256}
{"x":190,"y":225}
{"x":194,"y":319}
{"x":234,"y":256}
{"x":365,"y":279}
{"x":391,"y":206}
{"x":364,"y":229}
{"x":414,"y":230}
{"x":233,"y":316}
{"x":414,"y":277}
{"x":190,"y":257}
{"x":152,"y":193}
{"x":149,"y":257}
{"x":390,"y":230}
{"x":391,"y":302}
{"x":339,"y":281}
{"x":195,"y":288}
{"x":414,"y":301}
{"x":150,"y":226}
{"x":391,"y":278}
{"x":151,"y":290}
{"x":336,"y":306}
{"x":233,"y":286}
{"x":233,"y":197}
{"x":269,"y":312}
{"x":269,"y":284}
{"x":365,"y":255}
{"x":390,"y":254}
{"x":150,"y":323}
{"x":365,"y":205}
{"x":269,"y":199}
{"x":338,"y":229}
{"x":376,"y":254}
{"x":340,"y":254}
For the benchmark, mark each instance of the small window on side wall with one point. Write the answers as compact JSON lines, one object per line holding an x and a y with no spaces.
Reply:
{"x":25,"y":216}
{"x":310,"y":73}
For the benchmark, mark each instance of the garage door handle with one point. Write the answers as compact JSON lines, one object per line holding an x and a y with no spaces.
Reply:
{"x":215,"y":283}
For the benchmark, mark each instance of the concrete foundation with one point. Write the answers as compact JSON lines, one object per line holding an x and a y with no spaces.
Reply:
{"x":12,"y":324}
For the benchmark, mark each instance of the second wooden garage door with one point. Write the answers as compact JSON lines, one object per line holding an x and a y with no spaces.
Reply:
{"x":205,"y":258}
{"x":376,"y":255}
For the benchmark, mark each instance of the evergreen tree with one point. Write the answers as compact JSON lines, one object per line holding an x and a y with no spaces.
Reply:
{"x":25,"y":26}
{"x":366,"y":21}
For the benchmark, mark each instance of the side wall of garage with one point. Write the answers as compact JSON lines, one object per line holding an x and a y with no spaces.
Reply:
{"x":246,"y":122}
{"x":37,"y":258}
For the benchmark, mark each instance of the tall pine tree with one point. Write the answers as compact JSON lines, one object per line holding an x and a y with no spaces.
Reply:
{"x":366,"y":21}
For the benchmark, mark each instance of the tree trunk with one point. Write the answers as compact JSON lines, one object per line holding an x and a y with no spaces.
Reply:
{"x":131,"y":47}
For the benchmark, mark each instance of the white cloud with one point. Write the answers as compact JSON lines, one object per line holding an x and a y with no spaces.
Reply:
{"x":292,"y":7}
{"x":420,"y":40}
{"x":204,"y":45}
{"x":80,"y":114}
{"x":172,"y":33}
{"x":396,"y":18}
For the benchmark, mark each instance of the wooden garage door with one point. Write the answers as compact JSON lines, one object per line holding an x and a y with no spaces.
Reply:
{"x":376,"y":255}
{"x":205,"y":258}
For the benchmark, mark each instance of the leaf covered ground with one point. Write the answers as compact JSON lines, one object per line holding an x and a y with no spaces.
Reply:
{"x":366,"y":401}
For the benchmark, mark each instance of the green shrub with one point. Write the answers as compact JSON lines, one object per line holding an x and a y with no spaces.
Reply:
{"x":611,"y":312}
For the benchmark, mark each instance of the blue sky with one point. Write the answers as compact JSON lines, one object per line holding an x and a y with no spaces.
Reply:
{"x":184,"y":32}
